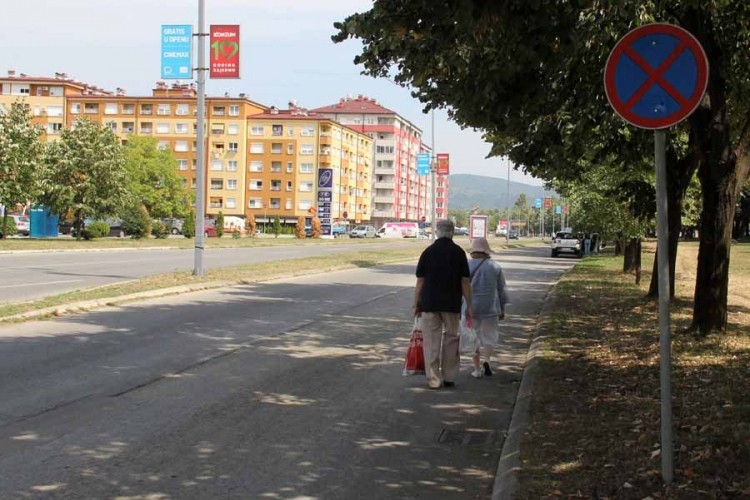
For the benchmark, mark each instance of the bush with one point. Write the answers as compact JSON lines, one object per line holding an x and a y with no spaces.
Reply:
{"x":316,"y":229}
{"x":97,"y":229}
{"x":136,"y":222}
{"x":299,"y":228}
{"x":10,"y":226}
{"x":160,"y":230}
{"x":276,"y":226}
{"x":220,"y":224}
{"x":188,"y":228}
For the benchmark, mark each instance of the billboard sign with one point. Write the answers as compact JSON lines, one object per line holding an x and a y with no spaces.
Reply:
{"x":547,"y":203}
{"x":423,"y":164}
{"x":538,"y":203}
{"x":443,"y":167}
{"x":224,"y":54}
{"x":176,"y":51}
{"x":478,"y":226}
{"x":325,"y":197}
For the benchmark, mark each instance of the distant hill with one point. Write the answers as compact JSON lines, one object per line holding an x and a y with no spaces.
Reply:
{"x":468,"y":190}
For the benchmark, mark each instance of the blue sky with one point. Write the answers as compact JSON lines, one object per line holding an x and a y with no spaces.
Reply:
{"x":286,"y":55}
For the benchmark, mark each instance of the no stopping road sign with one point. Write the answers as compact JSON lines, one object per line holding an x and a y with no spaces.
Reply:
{"x":656,"y":76}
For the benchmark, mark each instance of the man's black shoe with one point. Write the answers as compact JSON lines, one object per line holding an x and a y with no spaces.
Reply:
{"x":487,"y":371}
{"x":448,"y":384}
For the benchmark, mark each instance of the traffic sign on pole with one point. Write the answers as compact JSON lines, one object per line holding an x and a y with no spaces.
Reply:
{"x":656,"y":76}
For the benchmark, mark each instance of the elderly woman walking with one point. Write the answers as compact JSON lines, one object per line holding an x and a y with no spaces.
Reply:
{"x":489,"y":296}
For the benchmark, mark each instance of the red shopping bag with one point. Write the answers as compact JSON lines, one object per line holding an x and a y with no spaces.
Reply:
{"x":414,"y":363}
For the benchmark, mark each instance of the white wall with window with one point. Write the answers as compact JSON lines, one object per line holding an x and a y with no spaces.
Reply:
{"x":162,"y":145}
{"x":289,"y":167}
{"x":54,"y":110}
{"x":233,"y":129}
{"x":232,"y":184}
{"x":255,"y":185}
{"x":181,"y":146}
{"x":290,"y":149}
{"x":306,"y":149}
{"x":304,"y":204}
{"x":256,"y":130}
{"x":181,"y":128}
{"x":164,"y":109}
{"x":75,"y":108}
{"x":233,"y":147}
{"x":289,"y":186}
{"x":231,"y":203}
{"x":110,"y":108}
{"x":217,"y":184}
{"x":54,"y":128}
{"x":305,"y":187}
{"x":275,"y":203}
{"x":256,"y":147}
{"x":217,"y":165}
{"x":232,"y":166}
{"x":255,"y":203}
{"x":256,"y":166}
{"x":162,"y":128}
{"x":288,"y":205}
{"x":276,"y":148}
{"x":234,"y":110}
{"x":182,"y":109}
{"x":308,"y":131}
{"x":306,"y":168}
{"x":182,"y":164}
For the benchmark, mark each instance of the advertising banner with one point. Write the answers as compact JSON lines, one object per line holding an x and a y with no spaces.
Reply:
{"x":443,"y":167}
{"x":547,"y":203}
{"x":538,"y":203}
{"x":176,"y":51}
{"x":478,"y":226}
{"x":423,"y":164}
{"x":224,"y":54}
{"x":325,"y":197}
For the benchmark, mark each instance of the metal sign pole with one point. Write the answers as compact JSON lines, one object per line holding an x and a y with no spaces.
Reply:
{"x":662,"y":228}
{"x":433,"y":170}
{"x":200,"y":204}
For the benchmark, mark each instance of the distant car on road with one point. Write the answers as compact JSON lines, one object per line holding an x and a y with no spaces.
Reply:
{"x":513,"y":234}
{"x":363,"y":232}
{"x":566,"y":241}
{"x":461,"y":231}
{"x":174,"y":224}
{"x":23,"y":224}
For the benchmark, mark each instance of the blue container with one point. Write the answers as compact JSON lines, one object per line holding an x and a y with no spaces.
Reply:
{"x":43,"y":223}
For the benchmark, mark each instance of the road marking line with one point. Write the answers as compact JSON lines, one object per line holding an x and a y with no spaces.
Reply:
{"x":42,"y":283}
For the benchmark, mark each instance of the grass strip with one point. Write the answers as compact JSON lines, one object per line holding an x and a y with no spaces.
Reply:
{"x":594,"y":430}
{"x":248,"y":273}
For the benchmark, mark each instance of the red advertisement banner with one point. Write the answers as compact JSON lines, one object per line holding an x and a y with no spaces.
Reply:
{"x":224,"y":51}
{"x":548,"y":203}
{"x":443,"y":167}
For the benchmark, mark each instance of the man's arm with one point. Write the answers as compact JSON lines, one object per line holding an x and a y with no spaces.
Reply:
{"x":466,"y":292}
{"x":417,"y":295}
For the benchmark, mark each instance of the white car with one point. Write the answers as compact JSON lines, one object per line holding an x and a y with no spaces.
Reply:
{"x":363,"y":232}
{"x":23,"y":224}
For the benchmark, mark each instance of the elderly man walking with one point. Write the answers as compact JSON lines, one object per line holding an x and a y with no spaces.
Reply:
{"x":442,"y":280}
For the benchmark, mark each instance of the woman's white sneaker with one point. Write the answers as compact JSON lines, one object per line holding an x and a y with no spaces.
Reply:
{"x":477,"y":374}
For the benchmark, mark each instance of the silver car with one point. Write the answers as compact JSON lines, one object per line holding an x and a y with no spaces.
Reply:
{"x":363,"y":232}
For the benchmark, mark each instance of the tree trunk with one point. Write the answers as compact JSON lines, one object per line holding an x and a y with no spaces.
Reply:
{"x":5,"y":224}
{"x":638,"y":262}
{"x":631,"y":256}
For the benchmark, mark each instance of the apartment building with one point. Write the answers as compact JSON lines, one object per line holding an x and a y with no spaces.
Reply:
{"x":398,"y":192}
{"x":286,"y":148}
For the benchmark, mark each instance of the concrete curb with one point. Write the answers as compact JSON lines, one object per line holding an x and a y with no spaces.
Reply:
{"x":89,"y":250}
{"x":506,"y":478}
{"x":88,"y":305}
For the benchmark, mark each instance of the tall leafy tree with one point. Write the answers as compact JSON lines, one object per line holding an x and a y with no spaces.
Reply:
{"x":530,"y":75}
{"x":153,"y":179}
{"x":85,"y":173}
{"x":20,"y":157}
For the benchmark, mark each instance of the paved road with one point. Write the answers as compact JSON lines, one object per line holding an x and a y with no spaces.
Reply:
{"x":28,"y":276}
{"x":286,"y":389}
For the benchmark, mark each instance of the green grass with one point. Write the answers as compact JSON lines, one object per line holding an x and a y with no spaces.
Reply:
{"x":596,"y":408}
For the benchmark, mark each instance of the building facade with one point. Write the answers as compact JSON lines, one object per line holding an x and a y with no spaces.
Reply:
{"x":398,"y":192}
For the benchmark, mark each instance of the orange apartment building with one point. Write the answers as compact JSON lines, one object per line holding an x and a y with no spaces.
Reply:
{"x":259,"y":160}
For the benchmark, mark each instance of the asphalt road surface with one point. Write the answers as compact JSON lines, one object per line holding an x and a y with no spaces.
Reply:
{"x":288,"y":389}
{"x":28,"y":276}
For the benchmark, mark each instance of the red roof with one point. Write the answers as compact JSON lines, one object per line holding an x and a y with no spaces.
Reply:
{"x":356,"y":105}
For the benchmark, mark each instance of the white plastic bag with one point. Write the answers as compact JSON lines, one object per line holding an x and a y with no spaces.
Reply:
{"x":468,"y":342}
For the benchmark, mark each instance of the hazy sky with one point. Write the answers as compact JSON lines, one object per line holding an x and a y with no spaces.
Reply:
{"x":286,"y":54}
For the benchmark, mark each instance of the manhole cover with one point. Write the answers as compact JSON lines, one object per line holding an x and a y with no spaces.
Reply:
{"x":466,"y":438}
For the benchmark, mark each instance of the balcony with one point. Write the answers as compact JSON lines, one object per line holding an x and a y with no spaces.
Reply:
{"x":384,"y":199}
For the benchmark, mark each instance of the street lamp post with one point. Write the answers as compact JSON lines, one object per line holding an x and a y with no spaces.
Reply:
{"x":433,"y":169}
{"x":507,"y":203}
{"x":200,"y":203}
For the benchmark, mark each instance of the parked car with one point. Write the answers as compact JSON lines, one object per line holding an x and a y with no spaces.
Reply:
{"x":461,"y":231}
{"x":566,"y":241}
{"x":174,"y":224}
{"x":115,"y":227}
{"x":209,"y":231}
{"x":363,"y":232}
{"x":513,"y":234}
{"x":23,"y":224}
{"x":308,"y":232}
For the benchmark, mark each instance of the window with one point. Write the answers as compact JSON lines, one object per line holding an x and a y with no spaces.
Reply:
{"x":217,"y":183}
{"x":384,"y":149}
{"x":55,"y":91}
{"x":277,"y":130}
{"x":128,"y":109}
{"x":289,"y":185}
{"x":256,"y":166}
{"x":256,"y":147}
{"x":195,"y":164}
{"x":146,"y":127}
{"x":54,"y":110}
{"x":255,"y":185}
{"x":54,"y":128}
{"x":306,"y":149}
{"x":128,"y":127}
{"x":164,"y":109}
{"x":308,"y":131}
{"x":288,"y":205}
{"x":163,"y":145}
{"x":276,"y":148}
{"x":304,"y":204}
{"x":233,"y":147}
{"x":182,"y":109}
{"x":275,"y":185}
{"x":255,"y":203}
{"x":306,"y":168}
{"x":289,"y":167}
{"x":232,"y":166}
{"x":112,"y":126}
{"x":181,"y":128}
{"x":231,"y":183}
{"x":290,"y":131}
{"x":276,"y":167}
{"x":181,"y":146}
{"x":233,"y":129}
{"x":256,"y":130}
{"x":24,"y":90}
{"x":234,"y":110}
{"x":195,"y":145}
{"x":219,"y":110}
{"x":290,"y":149}
{"x":217,"y":128}
{"x":90,"y":109}
{"x":306,"y":187}
{"x":192,"y":185}
{"x":275,"y":203}
{"x":147,"y":109}
{"x":231,"y":203}
{"x":75,"y":108}
{"x":183,"y":164}
{"x":162,"y":128}
{"x":110,"y":108}
{"x":217,"y":165}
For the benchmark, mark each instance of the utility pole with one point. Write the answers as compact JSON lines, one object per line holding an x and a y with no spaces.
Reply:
{"x":433,"y":171}
{"x":507,"y":203}
{"x":200,"y":203}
